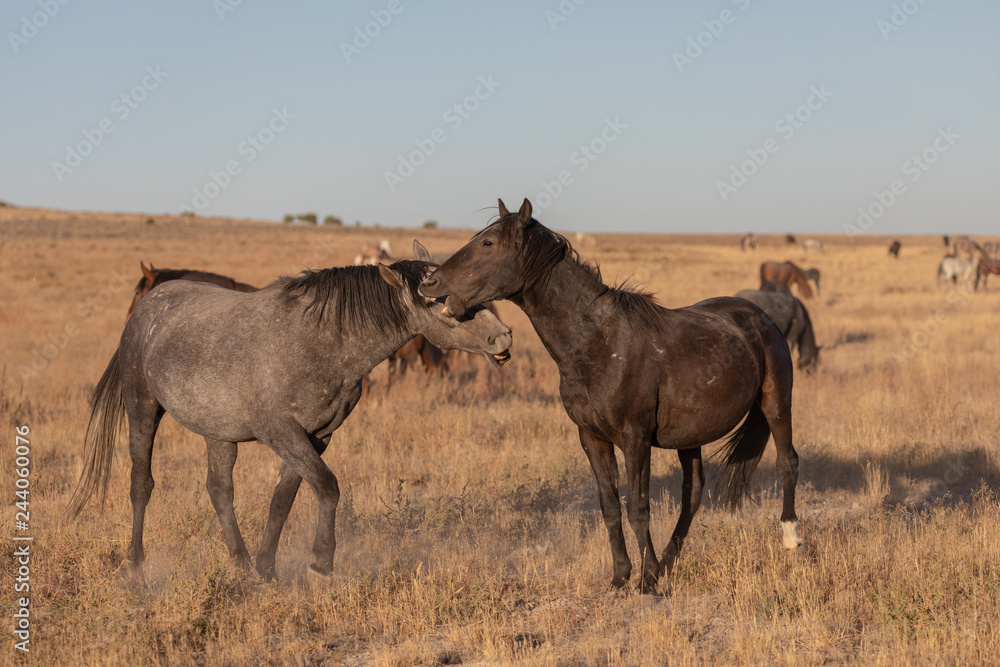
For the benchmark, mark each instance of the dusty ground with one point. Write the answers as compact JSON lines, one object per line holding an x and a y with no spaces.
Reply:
{"x":468,"y":528}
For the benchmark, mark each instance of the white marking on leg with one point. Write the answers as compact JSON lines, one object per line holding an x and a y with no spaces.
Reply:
{"x":790,"y":534}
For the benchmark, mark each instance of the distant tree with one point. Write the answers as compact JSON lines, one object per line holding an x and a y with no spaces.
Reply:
{"x":333,"y":220}
{"x":187,"y":214}
{"x":431,"y":224}
{"x":309,"y":218}
{"x":150,"y":221}
{"x":289,"y":218}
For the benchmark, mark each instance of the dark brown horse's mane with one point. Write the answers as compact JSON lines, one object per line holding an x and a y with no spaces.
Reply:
{"x":543,"y":248}
{"x":361,"y":299}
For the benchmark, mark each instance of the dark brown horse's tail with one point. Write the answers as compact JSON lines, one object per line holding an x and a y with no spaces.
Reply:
{"x":107,"y":417}
{"x":741,"y":453}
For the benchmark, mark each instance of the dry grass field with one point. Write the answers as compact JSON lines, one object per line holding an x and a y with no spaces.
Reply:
{"x":469,"y":530}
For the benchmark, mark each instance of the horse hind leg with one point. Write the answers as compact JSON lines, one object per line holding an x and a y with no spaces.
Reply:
{"x":776,"y":404}
{"x":221,"y":459}
{"x":144,"y":419}
{"x":691,"y":490}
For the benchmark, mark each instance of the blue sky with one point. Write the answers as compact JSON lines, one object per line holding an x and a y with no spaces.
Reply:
{"x":594,"y":95}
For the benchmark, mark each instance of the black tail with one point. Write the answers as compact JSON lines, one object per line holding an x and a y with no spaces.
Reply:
{"x":107,"y":417}
{"x":741,"y":453}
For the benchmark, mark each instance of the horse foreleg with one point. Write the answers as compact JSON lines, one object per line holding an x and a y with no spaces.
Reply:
{"x":281,"y":504}
{"x":300,"y":455}
{"x":637,"y":455}
{"x":691,"y":488}
{"x":221,"y":459}
{"x":601,"y":454}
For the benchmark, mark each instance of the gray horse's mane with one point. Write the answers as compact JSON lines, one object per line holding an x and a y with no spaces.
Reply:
{"x":361,"y":300}
{"x":541,"y":249}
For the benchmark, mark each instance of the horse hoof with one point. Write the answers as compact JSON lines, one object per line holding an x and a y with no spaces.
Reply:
{"x":790,"y":535}
{"x":317,"y":579}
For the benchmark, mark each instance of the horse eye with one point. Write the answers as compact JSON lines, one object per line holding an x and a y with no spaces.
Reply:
{"x":487,"y":243}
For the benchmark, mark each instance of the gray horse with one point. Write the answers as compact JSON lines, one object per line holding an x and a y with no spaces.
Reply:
{"x":282,"y":366}
{"x":793,"y":319}
{"x":953,"y":269}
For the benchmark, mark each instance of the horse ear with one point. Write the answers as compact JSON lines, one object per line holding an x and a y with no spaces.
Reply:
{"x":148,"y":273}
{"x":524,"y":215}
{"x":390,"y":276}
{"x":420,"y":252}
{"x":503,"y":209}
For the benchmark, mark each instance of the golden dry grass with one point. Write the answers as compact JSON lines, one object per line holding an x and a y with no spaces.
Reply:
{"x":468,"y":528}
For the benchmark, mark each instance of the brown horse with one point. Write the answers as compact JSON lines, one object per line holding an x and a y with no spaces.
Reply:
{"x":895,"y":248}
{"x":152,"y":277}
{"x":790,"y":274}
{"x":985,"y":268}
{"x":434,"y":359}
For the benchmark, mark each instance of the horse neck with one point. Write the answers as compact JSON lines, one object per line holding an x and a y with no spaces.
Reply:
{"x":363,"y":347}
{"x":807,"y":341}
{"x":563,"y":311}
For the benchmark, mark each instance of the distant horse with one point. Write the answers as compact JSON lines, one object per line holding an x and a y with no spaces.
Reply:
{"x":952,"y":269}
{"x":946,"y":239}
{"x":793,"y":319}
{"x":965,"y":245}
{"x":813,"y":245}
{"x":636,"y":375}
{"x":775,"y":286}
{"x":282,"y":366}
{"x":749,"y":242}
{"x":984,"y":269}
{"x":152,"y":277}
{"x":895,"y":248}
{"x":991,"y":249}
{"x":790,"y":274}
{"x":373,"y":255}
{"x":790,"y":239}
{"x":434,"y":359}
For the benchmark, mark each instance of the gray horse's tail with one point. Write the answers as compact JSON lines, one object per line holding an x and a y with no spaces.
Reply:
{"x":107,"y":418}
{"x":741,"y":453}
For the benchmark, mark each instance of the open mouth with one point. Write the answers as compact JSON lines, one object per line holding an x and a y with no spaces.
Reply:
{"x":499,"y":360}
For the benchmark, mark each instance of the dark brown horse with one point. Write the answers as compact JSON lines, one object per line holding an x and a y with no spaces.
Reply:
{"x":895,"y":248}
{"x":985,"y":268}
{"x":790,"y":274}
{"x":152,"y":277}
{"x":636,"y":375}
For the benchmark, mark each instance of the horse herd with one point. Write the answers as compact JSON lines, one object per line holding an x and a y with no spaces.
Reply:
{"x":972,"y":270}
{"x":235,"y":363}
